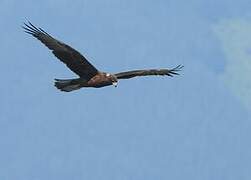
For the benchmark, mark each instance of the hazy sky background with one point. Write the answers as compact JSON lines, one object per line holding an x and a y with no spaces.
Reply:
{"x":194,"y":126}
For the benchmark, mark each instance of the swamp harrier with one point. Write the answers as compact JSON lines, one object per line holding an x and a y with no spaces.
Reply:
{"x":89,"y":76}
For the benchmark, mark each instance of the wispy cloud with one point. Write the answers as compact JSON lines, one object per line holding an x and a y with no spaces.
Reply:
{"x":235,"y":38}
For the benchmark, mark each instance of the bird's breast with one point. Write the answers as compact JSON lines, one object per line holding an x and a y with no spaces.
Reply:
{"x":99,"y":81}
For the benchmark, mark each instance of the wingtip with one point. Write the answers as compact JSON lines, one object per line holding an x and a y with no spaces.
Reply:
{"x":175,"y":70}
{"x":179,"y":67}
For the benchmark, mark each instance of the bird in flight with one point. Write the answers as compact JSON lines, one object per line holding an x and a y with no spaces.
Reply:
{"x":89,"y":76}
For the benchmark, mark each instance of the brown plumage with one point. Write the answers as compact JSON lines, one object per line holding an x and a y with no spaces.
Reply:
{"x":89,"y":76}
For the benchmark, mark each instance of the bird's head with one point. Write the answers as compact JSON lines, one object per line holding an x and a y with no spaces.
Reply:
{"x":112,"y":78}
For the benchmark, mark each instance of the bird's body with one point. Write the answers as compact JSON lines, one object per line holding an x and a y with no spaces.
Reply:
{"x":98,"y":81}
{"x":102,"y":79}
{"x":89,"y":76}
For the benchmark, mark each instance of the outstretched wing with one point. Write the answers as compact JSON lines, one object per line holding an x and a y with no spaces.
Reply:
{"x":72,"y":58}
{"x":149,"y":72}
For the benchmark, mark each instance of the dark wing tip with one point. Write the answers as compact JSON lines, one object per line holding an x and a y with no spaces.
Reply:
{"x":175,"y":70}
{"x":178,"y":68}
{"x":29,"y":28}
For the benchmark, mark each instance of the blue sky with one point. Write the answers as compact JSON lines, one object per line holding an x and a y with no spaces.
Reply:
{"x":194,"y":126}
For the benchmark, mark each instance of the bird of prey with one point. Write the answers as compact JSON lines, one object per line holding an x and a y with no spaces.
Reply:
{"x":89,"y":76}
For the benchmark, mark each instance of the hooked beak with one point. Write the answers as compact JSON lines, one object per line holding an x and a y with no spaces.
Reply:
{"x":115,"y":84}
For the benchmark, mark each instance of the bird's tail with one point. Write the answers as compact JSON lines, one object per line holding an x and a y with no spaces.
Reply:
{"x":67,"y":85}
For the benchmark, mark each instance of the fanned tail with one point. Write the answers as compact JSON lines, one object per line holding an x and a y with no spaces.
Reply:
{"x":67,"y":85}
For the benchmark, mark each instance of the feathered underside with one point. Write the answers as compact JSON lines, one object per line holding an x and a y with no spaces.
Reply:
{"x":149,"y":72}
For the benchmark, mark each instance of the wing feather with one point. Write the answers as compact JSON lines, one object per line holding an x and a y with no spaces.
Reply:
{"x":71,"y":57}
{"x":149,"y":72}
